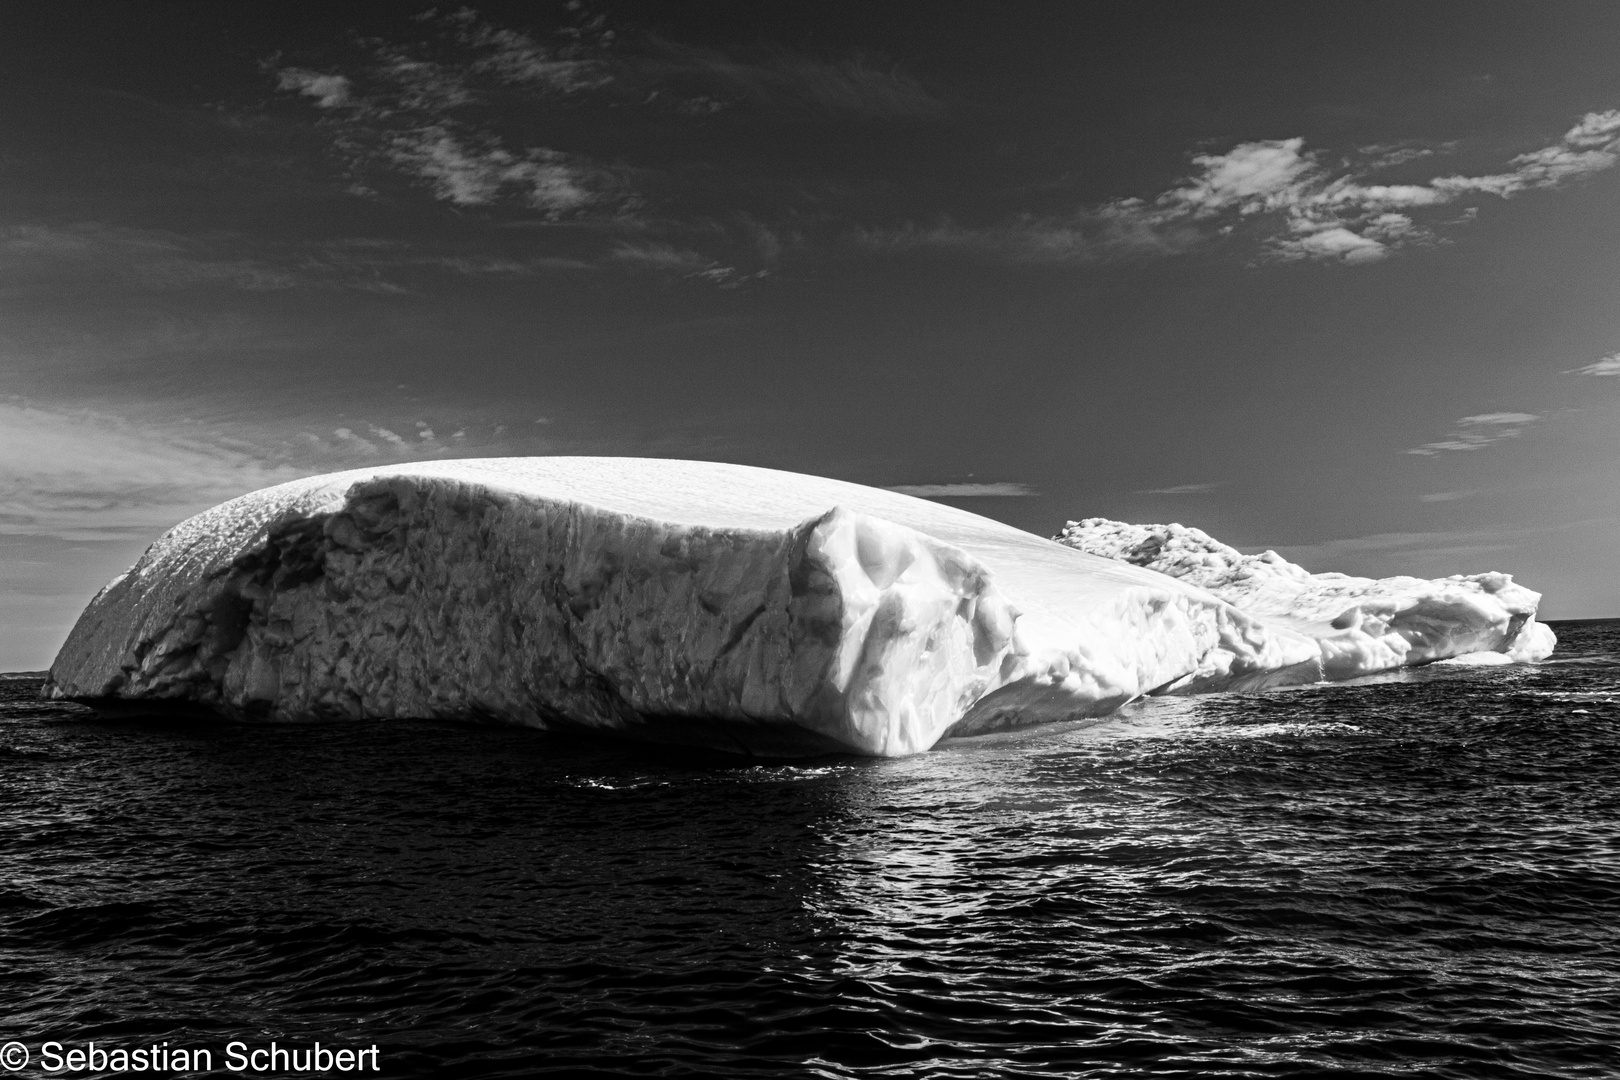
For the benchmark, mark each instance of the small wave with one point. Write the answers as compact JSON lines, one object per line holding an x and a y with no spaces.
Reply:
{"x":1607,"y":697}
{"x":1589,"y":660}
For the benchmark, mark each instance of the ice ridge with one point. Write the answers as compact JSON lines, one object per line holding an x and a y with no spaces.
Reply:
{"x":1361,"y":625}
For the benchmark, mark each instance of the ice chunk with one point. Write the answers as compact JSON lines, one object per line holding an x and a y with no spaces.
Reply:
{"x":1478,"y":659}
{"x":733,"y":606}
{"x":1362,"y":625}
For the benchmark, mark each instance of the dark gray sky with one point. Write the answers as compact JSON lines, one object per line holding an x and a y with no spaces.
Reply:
{"x":1338,"y":279}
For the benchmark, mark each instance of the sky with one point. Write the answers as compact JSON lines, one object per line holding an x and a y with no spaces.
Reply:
{"x":1340,"y":280}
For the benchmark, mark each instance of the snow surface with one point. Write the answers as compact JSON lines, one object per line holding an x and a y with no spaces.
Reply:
{"x":676,"y":600}
{"x":1362,"y":625}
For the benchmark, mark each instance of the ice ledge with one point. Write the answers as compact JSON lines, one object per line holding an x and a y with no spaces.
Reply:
{"x":737,"y":607}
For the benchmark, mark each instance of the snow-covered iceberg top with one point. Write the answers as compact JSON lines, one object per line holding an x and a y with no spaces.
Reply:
{"x":1362,"y":625}
{"x":732,"y":606}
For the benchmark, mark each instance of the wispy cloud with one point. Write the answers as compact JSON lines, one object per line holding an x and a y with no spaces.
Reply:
{"x":462,"y":114}
{"x":1184,"y":489}
{"x":1089,"y":235}
{"x":151,"y":260}
{"x":81,"y":475}
{"x":1448,"y":496}
{"x":1314,"y":209}
{"x":518,"y":59}
{"x":426,"y":118}
{"x":88,"y":474}
{"x":484,"y":117}
{"x":469,"y":175}
{"x":439,"y":111}
{"x":1420,"y":554}
{"x":782,"y":80}
{"x":1609,"y":365}
{"x":965,"y":491}
{"x":144,"y":258}
{"x":661,"y":256}
{"x":1298,"y":203}
{"x":683,"y":262}
{"x":1478,"y":432}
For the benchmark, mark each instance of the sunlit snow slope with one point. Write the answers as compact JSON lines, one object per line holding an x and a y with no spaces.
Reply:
{"x":674,"y":600}
{"x":1362,"y":625}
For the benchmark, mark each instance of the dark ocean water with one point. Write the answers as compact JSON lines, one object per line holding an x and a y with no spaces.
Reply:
{"x":1418,"y":876}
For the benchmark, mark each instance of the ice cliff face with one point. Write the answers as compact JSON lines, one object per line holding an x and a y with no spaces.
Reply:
{"x":1361,"y":625}
{"x":689,"y":601}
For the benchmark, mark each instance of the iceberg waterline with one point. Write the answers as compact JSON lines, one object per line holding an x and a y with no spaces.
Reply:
{"x":724,"y":605}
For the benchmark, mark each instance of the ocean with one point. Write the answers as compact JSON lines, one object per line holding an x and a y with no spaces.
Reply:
{"x":1410,"y":875}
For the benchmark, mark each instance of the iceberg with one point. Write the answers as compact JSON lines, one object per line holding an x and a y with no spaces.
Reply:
{"x":1361,"y":625}
{"x":728,"y":606}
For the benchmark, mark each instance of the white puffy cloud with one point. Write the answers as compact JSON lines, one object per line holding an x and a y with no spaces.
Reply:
{"x":1333,"y":242}
{"x":1249,"y":178}
{"x":392,"y":438}
{"x":329,"y":91}
{"x":347,"y":437}
{"x":1595,"y":129}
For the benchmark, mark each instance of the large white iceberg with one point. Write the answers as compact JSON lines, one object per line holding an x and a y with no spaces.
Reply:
{"x":676,"y":600}
{"x":1361,"y":625}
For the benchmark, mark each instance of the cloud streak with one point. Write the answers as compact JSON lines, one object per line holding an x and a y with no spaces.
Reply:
{"x":1184,"y":489}
{"x":151,"y":260}
{"x":145,"y":258}
{"x":1087,"y":236}
{"x":81,"y":475}
{"x":1421,"y":554}
{"x":1478,"y":432}
{"x":965,"y":491}
{"x":1606,"y":367}
{"x":853,"y":86}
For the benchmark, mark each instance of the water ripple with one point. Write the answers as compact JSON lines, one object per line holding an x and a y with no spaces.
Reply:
{"x":1412,"y":875}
